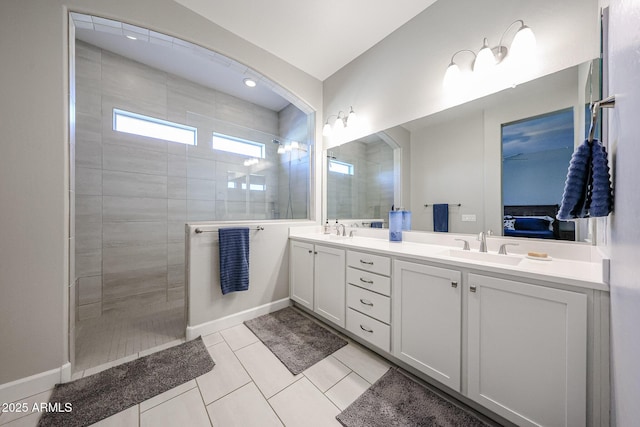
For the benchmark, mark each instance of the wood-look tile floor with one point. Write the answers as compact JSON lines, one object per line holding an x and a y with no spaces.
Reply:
{"x":115,"y":336}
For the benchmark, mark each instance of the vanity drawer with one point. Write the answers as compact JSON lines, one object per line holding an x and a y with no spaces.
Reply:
{"x":369,"y":303}
{"x":373,"y":282}
{"x":374,"y":263}
{"x":373,"y":331}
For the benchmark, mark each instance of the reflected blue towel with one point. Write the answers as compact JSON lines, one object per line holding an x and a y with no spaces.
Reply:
{"x":587,"y":189}
{"x":376,"y":224}
{"x":234,"y":259}
{"x":441,"y":217}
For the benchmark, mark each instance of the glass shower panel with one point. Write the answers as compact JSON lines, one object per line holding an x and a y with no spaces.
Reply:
{"x":248,"y":174}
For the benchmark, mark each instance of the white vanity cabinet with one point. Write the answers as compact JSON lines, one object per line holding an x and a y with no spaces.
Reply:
{"x":527,"y":351}
{"x":369,"y":298}
{"x":317,"y":279}
{"x":427,"y":308}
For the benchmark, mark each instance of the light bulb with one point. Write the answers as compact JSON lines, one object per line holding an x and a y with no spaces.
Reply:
{"x":287,"y":147}
{"x":295,"y":145}
{"x":524,"y":43}
{"x":338,"y":126}
{"x":326,"y":130}
{"x":451,"y":76}
{"x":351,"y":120}
{"x":249,"y":82}
{"x":485,"y":60}
{"x":281,"y":149}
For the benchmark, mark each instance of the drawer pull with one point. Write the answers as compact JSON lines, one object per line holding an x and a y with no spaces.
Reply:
{"x":454,"y":284}
{"x":310,"y":251}
{"x":472,"y":288}
{"x":365,"y":302}
{"x":366,"y":329}
{"x":366,"y":262}
{"x":370,"y":282}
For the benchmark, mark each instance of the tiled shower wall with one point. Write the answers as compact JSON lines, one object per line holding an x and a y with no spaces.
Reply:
{"x":135,"y":194}
{"x":369,"y":192}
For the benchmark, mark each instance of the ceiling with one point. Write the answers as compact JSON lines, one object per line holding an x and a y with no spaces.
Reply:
{"x":317,"y":36}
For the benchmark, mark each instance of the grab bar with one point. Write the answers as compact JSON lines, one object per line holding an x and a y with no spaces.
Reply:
{"x":199,"y":230}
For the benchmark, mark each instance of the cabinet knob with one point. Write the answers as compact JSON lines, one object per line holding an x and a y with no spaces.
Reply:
{"x":366,"y":329}
{"x":365,"y":302}
{"x":310,"y":251}
{"x":366,"y":262}
{"x":454,"y":284}
{"x":472,"y":288}
{"x":369,"y":282}
{"x":316,"y":252}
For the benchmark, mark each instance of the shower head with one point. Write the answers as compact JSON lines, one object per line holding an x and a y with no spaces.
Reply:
{"x":275,"y":141}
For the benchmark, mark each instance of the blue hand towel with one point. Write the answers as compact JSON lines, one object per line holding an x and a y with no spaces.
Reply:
{"x":234,"y":259}
{"x":441,"y":217}
{"x":376,"y":224}
{"x":587,"y":190}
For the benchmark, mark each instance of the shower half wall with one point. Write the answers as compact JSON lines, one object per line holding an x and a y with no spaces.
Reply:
{"x":135,"y":194}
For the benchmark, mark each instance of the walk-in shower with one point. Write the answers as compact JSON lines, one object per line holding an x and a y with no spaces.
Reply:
{"x":167,"y":133}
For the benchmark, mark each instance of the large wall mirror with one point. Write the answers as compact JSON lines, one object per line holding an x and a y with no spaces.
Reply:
{"x":456,"y":156}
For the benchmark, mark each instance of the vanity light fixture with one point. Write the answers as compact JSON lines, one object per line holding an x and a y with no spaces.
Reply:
{"x":281,"y":149}
{"x":522,"y":48}
{"x":251,"y":162}
{"x":249,"y":82}
{"x":342,"y":121}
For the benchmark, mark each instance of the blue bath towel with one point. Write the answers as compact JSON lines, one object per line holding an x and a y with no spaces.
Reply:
{"x":234,"y":259}
{"x":587,"y":189}
{"x":441,"y":217}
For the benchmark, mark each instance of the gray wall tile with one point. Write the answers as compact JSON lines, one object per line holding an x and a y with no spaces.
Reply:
{"x":128,"y":159}
{"x":133,"y":209}
{"x":119,"y":234}
{"x":129,"y":184}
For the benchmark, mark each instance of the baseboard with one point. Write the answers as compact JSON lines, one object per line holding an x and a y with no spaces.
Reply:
{"x":28,"y":386}
{"x":235,"y":319}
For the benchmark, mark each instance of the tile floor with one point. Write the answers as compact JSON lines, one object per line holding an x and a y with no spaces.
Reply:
{"x":114,"y":336}
{"x":247,"y":387}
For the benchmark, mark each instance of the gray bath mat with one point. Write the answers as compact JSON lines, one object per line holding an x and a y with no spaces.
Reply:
{"x":108,"y":392}
{"x":396,"y":400}
{"x":296,"y":340}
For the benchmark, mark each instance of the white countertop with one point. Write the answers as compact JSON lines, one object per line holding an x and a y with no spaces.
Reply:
{"x":564,"y":271}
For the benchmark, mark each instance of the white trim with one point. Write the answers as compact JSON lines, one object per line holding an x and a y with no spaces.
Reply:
{"x":235,"y":319}
{"x":28,"y":386}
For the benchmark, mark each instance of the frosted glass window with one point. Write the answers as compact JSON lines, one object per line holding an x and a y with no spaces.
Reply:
{"x":231,"y":144}
{"x":137,"y":124}
{"x":340,"y":167}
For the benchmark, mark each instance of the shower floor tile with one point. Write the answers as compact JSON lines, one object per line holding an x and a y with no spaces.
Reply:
{"x":115,"y":336}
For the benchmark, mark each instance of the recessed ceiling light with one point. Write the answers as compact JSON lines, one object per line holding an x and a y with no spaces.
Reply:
{"x":131,"y":37}
{"x":249,"y":82}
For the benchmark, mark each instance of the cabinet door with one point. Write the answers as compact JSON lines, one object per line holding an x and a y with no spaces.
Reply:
{"x":527,"y":349}
{"x":301,"y":273}
{"x":427,"y":320}
{"x":330,"y":284}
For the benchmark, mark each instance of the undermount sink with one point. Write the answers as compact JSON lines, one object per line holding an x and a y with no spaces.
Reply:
{"x":336,"y":237}
{"x":483,"y":257}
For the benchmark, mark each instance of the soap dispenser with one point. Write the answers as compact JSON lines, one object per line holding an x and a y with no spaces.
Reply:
{"x":327,"y":228}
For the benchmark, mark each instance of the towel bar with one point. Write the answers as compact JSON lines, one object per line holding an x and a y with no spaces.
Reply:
{"x":450,"y":204}
{"x":199,"y":230}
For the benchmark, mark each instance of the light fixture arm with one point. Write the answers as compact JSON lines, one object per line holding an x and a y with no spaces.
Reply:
{"x":462,"y":50}
{"x":501,"y":50}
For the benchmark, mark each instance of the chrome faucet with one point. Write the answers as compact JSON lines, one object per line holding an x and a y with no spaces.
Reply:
{"x":344,"y":231}
{"x":482,"y":237}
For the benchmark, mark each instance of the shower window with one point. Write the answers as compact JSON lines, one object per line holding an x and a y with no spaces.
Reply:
{"x":236,"y":145}
{"x":341,"y":167}
{"x":137,"y":124}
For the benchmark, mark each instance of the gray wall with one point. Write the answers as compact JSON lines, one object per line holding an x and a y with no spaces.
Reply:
{"x":34,"y":160}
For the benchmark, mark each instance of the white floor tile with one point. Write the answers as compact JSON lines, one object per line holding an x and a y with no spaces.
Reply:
{"x":212,"y":339}
{"x":226,"y":376}
{"x":28,"y":421}
{"x":362,"y":361}
{"x":303,"y":405}
{"x":245,"y":407}
{"x":326,"y":373}
{"x":26,"y":403}
{"x":184,"y":410}
{"x":127,"y":418}
{"x":238,"y":337}
{"x":167,"y":395}
{"x":346,"y":391}
{"x":269,"y":374}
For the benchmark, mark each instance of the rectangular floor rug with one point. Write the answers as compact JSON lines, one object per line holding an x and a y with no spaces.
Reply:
{"x":106,"y":393}
{"x":397,"y":400}
{"x":296,"y":340}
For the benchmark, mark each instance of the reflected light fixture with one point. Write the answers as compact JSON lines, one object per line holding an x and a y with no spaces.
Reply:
{"x":249,"y":82}
{"x":522,"y":49}
{"x":131,"y":37}
{"x":342,"y":121}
